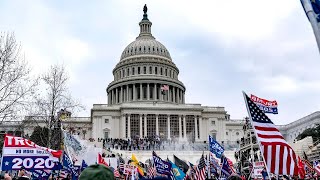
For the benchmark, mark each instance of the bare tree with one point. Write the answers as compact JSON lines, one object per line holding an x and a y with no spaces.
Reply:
{"x":16,"y":84}
{"x":51,"y":101}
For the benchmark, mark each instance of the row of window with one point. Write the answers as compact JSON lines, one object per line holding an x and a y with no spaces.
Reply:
{"x":145,"y":49}
{"x":237,"y":133}
{"x":163,"y":126}
{"x":169,"y":95}
{"x":124,"y":72}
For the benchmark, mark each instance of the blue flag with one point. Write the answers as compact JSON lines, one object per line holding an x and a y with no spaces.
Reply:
{"x":225,"y":169}
{"x":67,"y":163}
{"x":83,"y":165}
{"x":161,"y":166}
{"x":215,"y":147}
{"x":177,"y":172}
{"x":76,"y":173}
{"x":41,"y":174}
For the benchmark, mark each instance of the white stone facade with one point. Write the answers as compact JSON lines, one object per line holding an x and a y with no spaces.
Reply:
{"x":292,"y":130}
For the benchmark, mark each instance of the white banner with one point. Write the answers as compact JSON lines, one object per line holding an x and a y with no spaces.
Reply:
{"x":257,"y":169}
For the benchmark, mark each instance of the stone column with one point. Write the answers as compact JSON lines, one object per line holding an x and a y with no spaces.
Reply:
{"x":178,"y":95}
{"x":180,"y":128}
{"x":134,"y":92}
{"x":155,"y":92}
{"x":122,"y":126}
{"x":195,"y":127}
{"x":145,"y":125}
{"x":127,"y":93}
{"x":174,"y":94}
{"x":108,"y":97}
{"x":121,"y":95}
{"x":168,"y":121}
{"x":168,"y":94}
{"x":184,"y":127}
{"x":148,"y":91}
{"x":157,"y":124}
{"x":200,"y":127}
{"x":117,"y":97}
{"x":140,"y":115}
{"x":141,"y":95}
{"x":113,"y":97}
{"x":161,"y":96}
{"x":182,"y":97}
{"x":129,"y":126}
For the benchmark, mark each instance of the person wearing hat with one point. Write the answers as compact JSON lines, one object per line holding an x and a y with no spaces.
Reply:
{"x":96,"y":172}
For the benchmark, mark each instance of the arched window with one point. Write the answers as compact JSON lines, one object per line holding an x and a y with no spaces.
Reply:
{"x":166,"y":72}
{"x":160,"y":71}
{"x":123,"y":74}
{"x":156,"y":70}
{"x":150,"y":69}
{"x":144,"y":70}
{"x":170,"y":72}
{"x":128,"y":72}
{"x":138,"y":70}
{"x":133,"y":71}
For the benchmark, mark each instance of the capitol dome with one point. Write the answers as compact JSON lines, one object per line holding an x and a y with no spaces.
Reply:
{"x":145,"y":72}
{"x":145,"y":45}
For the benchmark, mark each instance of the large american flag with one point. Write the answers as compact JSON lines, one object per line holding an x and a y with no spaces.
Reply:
{"x":279,"y":156}
{"x":201,"y":170}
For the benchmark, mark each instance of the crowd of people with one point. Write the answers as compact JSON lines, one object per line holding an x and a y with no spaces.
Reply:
{"x":151,"y":143}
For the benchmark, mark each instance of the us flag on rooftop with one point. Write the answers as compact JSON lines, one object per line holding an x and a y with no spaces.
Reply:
{"x":201,"y":169}
{"x":280,"y":158}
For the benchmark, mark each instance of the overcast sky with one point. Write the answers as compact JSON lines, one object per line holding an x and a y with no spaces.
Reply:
{"x":266,"y":48}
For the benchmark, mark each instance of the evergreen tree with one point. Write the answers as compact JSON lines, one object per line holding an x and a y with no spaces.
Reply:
{"x":40,"y":136}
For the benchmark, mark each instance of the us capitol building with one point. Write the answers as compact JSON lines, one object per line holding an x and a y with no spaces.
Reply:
{"x":147,"y":99}
{"x":139,"y":107}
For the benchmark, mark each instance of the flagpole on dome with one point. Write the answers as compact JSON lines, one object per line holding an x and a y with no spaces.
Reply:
{"x":255,"y":133}
{"x":313,"y":20}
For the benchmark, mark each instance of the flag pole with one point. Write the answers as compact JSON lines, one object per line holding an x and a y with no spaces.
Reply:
{"x":255,"y":133}
{"x":313,"y":21}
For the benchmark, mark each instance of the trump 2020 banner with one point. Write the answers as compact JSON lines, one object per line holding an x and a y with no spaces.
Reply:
{"x":215,"y":147}
{"x":162,"y":167}
{"x":265,"y":105}
{"x":20,"y":152}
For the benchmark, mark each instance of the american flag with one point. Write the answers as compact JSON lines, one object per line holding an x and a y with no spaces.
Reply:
{"x":279,"y":156}
{"x":121,"y":163}
{"x":116,"y":173}
{"x":152,"y":171}
{"x":308,"y":167}
{"x":230,"y":163}
{"x":63,"y":173}
{"x":316,"y":165}
{"x":165,"y":88}
{"x":201,"y":170}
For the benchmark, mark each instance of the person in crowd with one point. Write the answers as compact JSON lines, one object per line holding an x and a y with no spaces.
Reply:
{"x":22,"y":175}
{"x":96,"y":172}
{"x":7,"y":177}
